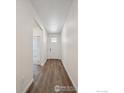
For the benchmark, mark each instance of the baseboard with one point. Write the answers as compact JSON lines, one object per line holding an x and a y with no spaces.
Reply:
{"x":42,"y":64}
{"x":72,"y":82}
{"x":70,"y":77}
{"x":53,"y":59}
{"x":28,"y":86}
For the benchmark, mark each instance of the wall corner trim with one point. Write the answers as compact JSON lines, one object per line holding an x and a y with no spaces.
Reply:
{"x":28,"y":86}
{"x":76,"y":88}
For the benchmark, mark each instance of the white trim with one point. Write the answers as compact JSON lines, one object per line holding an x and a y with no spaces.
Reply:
{"x":41,"y":64}
{"x":27,"y":87}
{"x":70,"y":76}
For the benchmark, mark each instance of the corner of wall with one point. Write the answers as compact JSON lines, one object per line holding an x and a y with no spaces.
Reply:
{"x":28,"y":85}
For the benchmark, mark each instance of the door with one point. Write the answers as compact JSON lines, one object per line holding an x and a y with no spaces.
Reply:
{"x":54,"y":47}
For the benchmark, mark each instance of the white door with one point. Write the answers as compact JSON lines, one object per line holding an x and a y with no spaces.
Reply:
{"x":54,"y":45}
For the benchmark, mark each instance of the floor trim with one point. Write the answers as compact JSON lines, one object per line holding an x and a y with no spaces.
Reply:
{"x":28,"y":86}
{"x":42,"y":63}
{"x":69,"y":76}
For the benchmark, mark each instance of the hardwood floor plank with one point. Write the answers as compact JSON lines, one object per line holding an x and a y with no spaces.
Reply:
{"x":52,"y":79}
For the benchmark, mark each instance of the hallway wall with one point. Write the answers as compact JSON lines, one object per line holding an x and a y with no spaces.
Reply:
{"x":24,"y":24}
{"x":44,"y":48}
{"x":25,"y":16}
{"x":70,"y":44}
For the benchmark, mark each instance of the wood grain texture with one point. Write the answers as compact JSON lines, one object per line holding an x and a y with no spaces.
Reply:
{"x":53,"y":74}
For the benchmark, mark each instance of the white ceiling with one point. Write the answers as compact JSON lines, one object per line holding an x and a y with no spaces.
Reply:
{"x":52,"y":13}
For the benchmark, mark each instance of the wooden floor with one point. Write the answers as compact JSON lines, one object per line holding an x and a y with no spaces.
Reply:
{"x":37,"y":70}
{"x":52,"y":79}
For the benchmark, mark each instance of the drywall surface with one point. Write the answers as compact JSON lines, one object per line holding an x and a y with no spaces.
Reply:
{"x":44,"y":48}
{"x":70,"y":44}
{"x":24,"y":31}
{"x":25,"y":15}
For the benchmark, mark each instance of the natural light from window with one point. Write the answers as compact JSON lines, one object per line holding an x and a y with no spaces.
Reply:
{"x":53,"y":39}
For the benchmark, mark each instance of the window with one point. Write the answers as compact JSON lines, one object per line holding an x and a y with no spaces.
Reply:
{"x":53,"y":39}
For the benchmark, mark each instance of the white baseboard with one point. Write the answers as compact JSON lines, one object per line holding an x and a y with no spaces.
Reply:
{"x":70,"y":76}
{"x":27,"y":87}
{"x":42,"y":63}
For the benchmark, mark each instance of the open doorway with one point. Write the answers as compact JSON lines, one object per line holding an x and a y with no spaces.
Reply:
{"x":36,"y":50}
{"x":37,"y":45}
{"x":54,"y":46}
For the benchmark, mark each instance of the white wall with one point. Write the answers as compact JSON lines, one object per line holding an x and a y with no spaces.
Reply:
{"x":44,"y":48}
{"x":24,"y":44}
{"x":24,"y":30}
{"x":56,"y":47}
{"x":70,"y":44}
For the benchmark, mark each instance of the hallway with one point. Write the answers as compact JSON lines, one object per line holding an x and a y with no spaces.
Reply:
{"x":52,"y":78}
{"x":47,"y":29}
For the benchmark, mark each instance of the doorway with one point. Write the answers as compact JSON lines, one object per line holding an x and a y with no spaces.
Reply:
{"x":54,"y":46}
{"x":36,"y":49}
